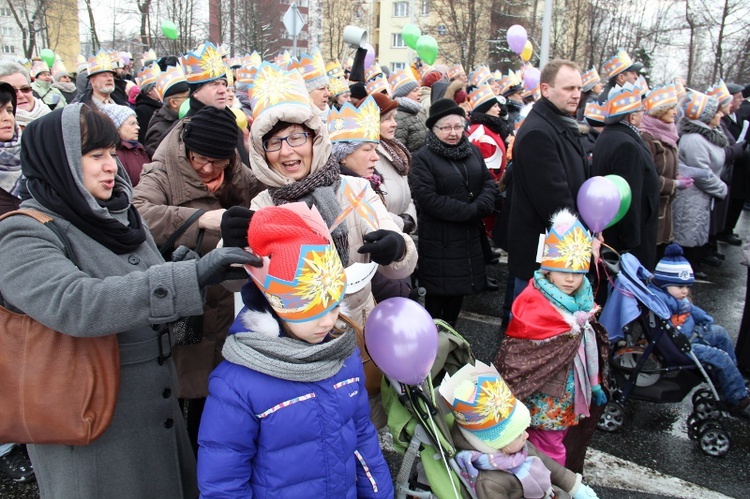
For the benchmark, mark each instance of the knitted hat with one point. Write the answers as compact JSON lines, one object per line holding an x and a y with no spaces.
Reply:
{"x":358,"y":90}
{"x":402,"y":82}
{"x":134,"y":91}
{"x":118,"y":114}
{"x":302,"y":276}
{"x":385,"y":103}
{"x":442,"y":108}
{"x":211,"y":132}
{"x":700,"y":107}
{"x":487,"y":413}
{"x":431,"y":77}
{"x":567,"y":245}
{"x":673,"y":269}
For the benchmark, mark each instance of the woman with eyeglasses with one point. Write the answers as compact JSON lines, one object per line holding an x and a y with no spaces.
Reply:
{"x":28,"y":107}
{"x":197,"y":172}
{"x":453,"y":191}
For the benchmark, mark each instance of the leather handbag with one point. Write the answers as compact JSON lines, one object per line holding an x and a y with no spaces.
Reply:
{"x":56,"y":388}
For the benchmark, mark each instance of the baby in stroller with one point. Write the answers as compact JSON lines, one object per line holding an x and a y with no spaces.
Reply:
{"x":710,"y":342}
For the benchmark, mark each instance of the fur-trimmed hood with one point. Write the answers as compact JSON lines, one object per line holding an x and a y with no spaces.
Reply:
{"x":713,"y":135}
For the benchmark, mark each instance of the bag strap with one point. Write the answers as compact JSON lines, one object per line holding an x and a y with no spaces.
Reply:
{"x":169,"y":243}
{"x":48,"y":222}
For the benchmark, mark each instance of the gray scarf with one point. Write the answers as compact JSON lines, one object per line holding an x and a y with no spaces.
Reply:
{"x":714,"y":135}
{"x":409,"y":105}
{"x":10,"y":163}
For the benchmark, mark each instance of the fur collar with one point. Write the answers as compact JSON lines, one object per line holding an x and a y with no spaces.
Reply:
{"x":714,"y":136}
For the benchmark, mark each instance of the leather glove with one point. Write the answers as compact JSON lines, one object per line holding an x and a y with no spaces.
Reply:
{"x":384,"y":246}
{"x":734,"y":151}
{"x":182,"y":254}
{"x":409,"y":224}
{"x":234,"y":224}
{"x":216,"y":266}
{"x":684,"y":183}
{"x":598,"y":397}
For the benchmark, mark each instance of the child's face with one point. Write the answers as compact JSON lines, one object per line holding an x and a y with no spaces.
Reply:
{"x":567,"y":282}
{"x":316,"y":330}
{"x":679,"y":292}
{"x":517,"y":444}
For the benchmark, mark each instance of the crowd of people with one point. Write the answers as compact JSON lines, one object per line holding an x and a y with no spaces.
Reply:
{"x":418,"y":176}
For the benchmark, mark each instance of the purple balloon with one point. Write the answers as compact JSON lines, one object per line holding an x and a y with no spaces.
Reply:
{"x":402,"y":339}
{"x":516,"y":38}
{"x":598,"y":202}
{"x":370,"y":56}
{"x":531,"y":78}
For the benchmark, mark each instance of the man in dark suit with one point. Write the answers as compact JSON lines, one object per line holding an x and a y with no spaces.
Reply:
{"x":739,"y":185}
{"x":549,"y":166}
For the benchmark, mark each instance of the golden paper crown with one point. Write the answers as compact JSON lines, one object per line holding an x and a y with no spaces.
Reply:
{"x":481,"y":94}
{"x":617,"y":64}
{"x":253,"y":59}
{"x":39,"y":67}
{"x":148,"y":57}
{"x":589,"y":79}
{"x":721,"y":92}
{"x":481,"y":74}
{"x":100,"y":63}
{"x":167,"y":79}
{"x":274,"y":86}
{"x":246,"y":74}
{"x":400,"y":78}
{"x":378,"y":85}
{"x":660,"y":97}
{"x":509,"y":81}
{"x":623,"y":100}
{"x":355,"y":124}
{"x":337,"y":86}
{"x":334,"y":69}
{"x":148,"y":74}
{"x":455,"y":71}
{"x":567,"y":245}
{"x":595,"y":111}
{"x":310,"y":66}
{"x":204,"y":64}
{"x":59,"y":67}
{"x":282,"y":60}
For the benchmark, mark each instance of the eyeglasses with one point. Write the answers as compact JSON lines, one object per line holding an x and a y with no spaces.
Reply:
{"x":26,"y":89}
{"x":294,"y":140}
{"x":201,"y":161}
{"x":454,"y":128}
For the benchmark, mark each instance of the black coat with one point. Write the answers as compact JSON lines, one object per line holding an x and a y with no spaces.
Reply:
{"x":549,"y":166}
{"x":739,"y":184}
{"x":621,"y":151}
{"x":451,"y":261}
{"x":145,"y":107}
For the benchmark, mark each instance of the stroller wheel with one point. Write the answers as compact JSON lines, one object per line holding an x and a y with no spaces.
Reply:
{"x":706,"y":409}
{"x":693,"y":427}
{"x":612,"y":418}
{"x":703,"y":393}
{"x":714,"y":439}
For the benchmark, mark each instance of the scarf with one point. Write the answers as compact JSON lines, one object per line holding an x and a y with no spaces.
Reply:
{"x":51,"y":163}
{"x":713,"y":135}
{"x":409,"y":105}
{"x":214,"y":184}
{"x":494,"y":123}
{"x":570,"y":123}
{"x":24,"y":117}
{"x":65,"y":86}
{"x":319,"y":189}
{"x":10,"y":163}
{"x":459,"y":152}
{"x":535,"y":478}
{"x":663,"y":132}
{"x":400,"y":155}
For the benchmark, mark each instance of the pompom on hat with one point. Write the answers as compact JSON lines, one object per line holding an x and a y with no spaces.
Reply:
{"x":302,"y":276}
{"x":567,"y":245}
{"x":488,"y":415}
{"x":673,"y":269}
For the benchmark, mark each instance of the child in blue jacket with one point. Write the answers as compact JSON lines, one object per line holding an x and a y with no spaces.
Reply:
{"x":710,"y":342}
{"x":287,"y":413}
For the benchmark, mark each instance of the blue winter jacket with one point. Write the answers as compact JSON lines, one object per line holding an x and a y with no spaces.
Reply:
{"x":684,"y":313}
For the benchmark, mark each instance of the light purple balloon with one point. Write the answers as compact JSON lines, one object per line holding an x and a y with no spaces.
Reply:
{"x":402,"y":339}
{"x":531,"y":78}
{"x":516,"y":37}
{"x":598,"y":202}
{"x":370,"y":56}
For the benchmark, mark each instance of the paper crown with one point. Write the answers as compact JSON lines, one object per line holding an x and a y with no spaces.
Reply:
{"x":355,"y":124}
{"x":148,"y":74}
{"x":334,"y":69}
{"x":487,"y":413}
{"x":204,"y":64}
{"x":679,"y":88}
{"x":148,"y":57}
{"x":455,"y":71}
{"x":481,"y":74}
{"x":39,"y":67}
{"x":253,"y":59}
{"x":282,"y":60}
{"x":721,"y":92}
{"x":82,"y":64}
{"x":246,"y":74}
{"x":509,"y":81}
{"x":643,"y":85}
{"x":481,"y":94}
{"x":660,"y":97}
{"x":623,"y":100}
{"x":169,"y":78}
{"x":337,"y":86}
{"x":100,"y":63}
{"x":699,"y":106}
{"x":311,"y":66}
{"x":378,"y":85}
{"x":275,"y":86}
{"x":373,"y":71}
{"x":595,"y":112}
{"x":424,"y":69}
{"x":589,"y":79}
{"x":617,"y":64}
{"x":302,"y":276}
{"x":567,"y":245}
{"x":59,"y":67}
{"x":401,"y":78}
{"x":234,"y":62}
{"x":117,"y":61}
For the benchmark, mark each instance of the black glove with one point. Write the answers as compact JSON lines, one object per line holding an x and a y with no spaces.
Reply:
{"x":215,"y":267}
{"x":409,"y":224}
{"x":734,"y":151}
{"x":234,"y":224}
{"x":384,"y":246}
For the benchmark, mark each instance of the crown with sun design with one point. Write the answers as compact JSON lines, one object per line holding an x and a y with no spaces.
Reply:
{"x":661,"y":97}
{"x":378,"y":85}
{"x":567,"y":245}
{"x":455,"y":71}
{"x":483,"y":93}
{"x":337,"y":86}
{"x":148,"y":74}
{"x":282,"y":60}
{"x":721,"y":92}
{"x":334,"y":69}
{"x":234,"y":62}
{"x":355,"y":124}
{"x":302,"y":276}
{"x":275,"y":86}
{"x":312,"y":67}
{"x":589,"y":79}
{"x":509,"y":81}
{"x":101,"y":63}
{"x":623,"y":100}
{"x":486,"y":411}
{"x":169,"y":78}
{"x":617,"y":64}
{"x":204,"y":64}
{"x":148,"y":57}
{"x":481,"y":74}
{"x":253,"y":59}
{"x":401,"y":78}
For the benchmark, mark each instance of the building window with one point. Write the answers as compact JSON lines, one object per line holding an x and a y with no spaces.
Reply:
{"x":5,"y":12}
{"x":425,"y":7}
{"x":401,"y":9}
{"x":6,"y":30}
{"x":397,"y":41}
{"x":9,"y":49}
{"x":395,"y":66}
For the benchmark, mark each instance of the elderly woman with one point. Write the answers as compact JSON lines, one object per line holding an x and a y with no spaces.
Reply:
{"x":28,"y":107}
{"x":44,"y":88}
{"x":131,"y":153}
{"x":453,"y":191}
{"x":121,"y":286}
{"x":701,"y":148}
{"x":411,"y":129}
{"x":197,"y":172}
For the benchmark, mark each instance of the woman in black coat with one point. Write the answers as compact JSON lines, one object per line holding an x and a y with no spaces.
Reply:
{"x":453,"y":191}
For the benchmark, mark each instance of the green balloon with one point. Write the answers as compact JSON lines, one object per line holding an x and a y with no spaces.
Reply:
{"x":625,"y":197}
{"x":169,"y":29}
{"x":184,"y":108}
{"x":410,"y":33}
{"x":48,"y":56}
{"x":427,"y":49}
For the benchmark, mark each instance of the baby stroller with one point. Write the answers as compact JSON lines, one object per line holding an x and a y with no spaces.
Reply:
{"x":651,"y":360}
{"x":421,"y":428}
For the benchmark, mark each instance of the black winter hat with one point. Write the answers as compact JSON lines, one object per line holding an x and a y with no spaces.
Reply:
{"x":442,"y":108}
{"x":211,"y":132}
{"x":358,"y":90}
{"x":486,"y":106}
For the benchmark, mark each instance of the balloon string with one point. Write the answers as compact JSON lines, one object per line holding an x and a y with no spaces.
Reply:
{"x":442,"y":453}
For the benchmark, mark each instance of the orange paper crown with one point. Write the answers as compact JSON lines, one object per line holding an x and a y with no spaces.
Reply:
{"x":204,"y":64}
{"x":312,"y":67}
{"x":589,"y":79}
{"x":455,"y":71}
{"x":282,"y":60}
{"x":595,"y":112}
{"x":337,"y":86}
{"x":623,"y":100}
{"x":275,"y":86}
{"x":148,"y":74}
{"x":117,"y":61}
{"x":721,"y":92}
{"x":246,"y":74}
{"x":617,"y":64}
{"x":643,"y":85}
{"x":167,"y":79}
{"x":481,"y":94}
{"x":334,"y":69}
{"x":679,"y":88}
{"x":378,"y":85}
{"x":481,"y":74}
{"x":355,"y":124}
{"x":148,"y":57}
{"x":400,"y":78}
{"x":509,"y":81}
{"x":100,"y":63}
{"x":660,"y":97}
{"x":424,"y":69}
{"x":698,"y":103}
{"x":567,"y":245}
